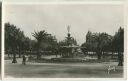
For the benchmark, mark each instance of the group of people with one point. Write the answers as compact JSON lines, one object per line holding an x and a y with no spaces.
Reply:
{"x":24,"y":59}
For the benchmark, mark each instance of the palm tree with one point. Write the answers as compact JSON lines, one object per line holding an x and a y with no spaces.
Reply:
{"x":41,"y":38}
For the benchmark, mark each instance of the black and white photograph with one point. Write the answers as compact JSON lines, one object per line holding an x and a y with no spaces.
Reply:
{"x":64,"y":41}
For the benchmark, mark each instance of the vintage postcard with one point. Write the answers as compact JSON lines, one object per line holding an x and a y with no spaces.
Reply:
{"x":64,"y":41}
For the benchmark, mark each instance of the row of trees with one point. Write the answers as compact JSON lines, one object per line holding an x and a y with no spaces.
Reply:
{"x":102,"y":42}
{"x":17,"y":43}
{"x":15,"y":40}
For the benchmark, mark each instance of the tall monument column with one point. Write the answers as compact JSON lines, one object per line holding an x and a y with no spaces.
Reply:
{"x":69,"y":42}
{"x":69,"y":36}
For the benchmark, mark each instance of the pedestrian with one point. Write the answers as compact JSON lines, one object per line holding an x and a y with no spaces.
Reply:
{"x":24,"y":60}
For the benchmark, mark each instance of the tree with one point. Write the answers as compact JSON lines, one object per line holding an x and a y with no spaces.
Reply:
{"x":11,"y":37}
{"x":45,"y":42}
{"x":41,"y":38}
{"x":14,"y":40}
{"x":103,"y":41}
{"x":97,"y":42}
{"x":118,"y":44}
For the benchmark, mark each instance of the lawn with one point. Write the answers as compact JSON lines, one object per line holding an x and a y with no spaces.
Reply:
{"x":61,"y":70}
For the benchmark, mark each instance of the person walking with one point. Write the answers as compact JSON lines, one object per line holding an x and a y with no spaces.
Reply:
{"x":24,"y":60}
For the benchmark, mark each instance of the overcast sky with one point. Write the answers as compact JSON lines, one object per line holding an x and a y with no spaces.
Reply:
{"x":55,"y":19}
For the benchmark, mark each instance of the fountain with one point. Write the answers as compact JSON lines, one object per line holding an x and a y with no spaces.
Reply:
{"x":71,"y":48}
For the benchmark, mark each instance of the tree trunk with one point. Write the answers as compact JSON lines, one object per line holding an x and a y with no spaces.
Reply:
{"x":8,"y":55}
{"x":120,"y":59}
{"x":19,"y":54}
{"x":56,"y":55}
{"x":103,"y":56}
{"x":112,"y":55}
{"x":99,"y":55}
{"x":38,"y":56}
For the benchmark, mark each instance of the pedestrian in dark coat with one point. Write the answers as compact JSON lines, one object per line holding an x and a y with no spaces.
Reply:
{"x":24,"y":60}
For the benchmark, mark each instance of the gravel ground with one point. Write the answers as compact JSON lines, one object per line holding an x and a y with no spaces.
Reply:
{"x":61,"y":70}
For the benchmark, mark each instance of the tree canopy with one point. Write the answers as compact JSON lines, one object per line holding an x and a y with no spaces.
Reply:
{"x":103,"y":42}
{"x":17,"y":42}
